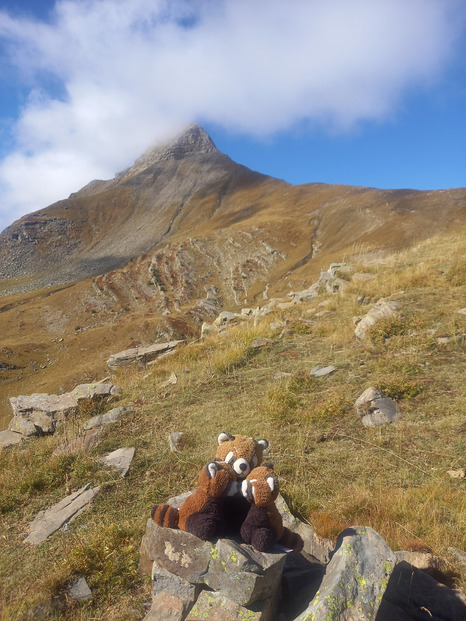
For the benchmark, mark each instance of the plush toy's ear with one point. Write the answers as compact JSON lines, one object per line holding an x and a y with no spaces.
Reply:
{"x":225,"y":437}
{"x":264,"y":443}
{"x":268,"y":464}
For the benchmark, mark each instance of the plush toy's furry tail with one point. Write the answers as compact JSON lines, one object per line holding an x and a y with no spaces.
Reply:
{"x":165,"y":515}
{"x":291,"y":540}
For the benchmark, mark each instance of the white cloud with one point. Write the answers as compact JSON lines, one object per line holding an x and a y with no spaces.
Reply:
{"x":107,"y":77}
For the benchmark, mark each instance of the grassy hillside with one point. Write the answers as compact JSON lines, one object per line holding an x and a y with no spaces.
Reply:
{"x":333,"y":471}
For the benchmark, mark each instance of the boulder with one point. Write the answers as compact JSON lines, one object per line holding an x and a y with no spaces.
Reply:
{"x":383,"y":309}
{"x":39,"y":413}
{"x":355,"y":579}
{"x":47,"y":522}
{"x":165,"y":607}
{"x":375,"y":409}
{"x":120,"y":459}
{"x":142,"y":355}
{"x":226,"y":317}
{"x":242,"y":573}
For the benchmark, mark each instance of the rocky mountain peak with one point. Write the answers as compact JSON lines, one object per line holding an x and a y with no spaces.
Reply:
{"x":193,"y":140}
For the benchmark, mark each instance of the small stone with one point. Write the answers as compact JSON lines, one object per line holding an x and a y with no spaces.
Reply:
{"x":461,"y":311}
{"x":171,"y":381}
{"x":457,"y":474}
{"x":120,"y":459}
{"x":258,"y":343}
{"x":443,"y":340}
{"x":176,"y":441}
{"x":322,"y":371}
{"x":79,"y":590}
{"x":282,"y":375}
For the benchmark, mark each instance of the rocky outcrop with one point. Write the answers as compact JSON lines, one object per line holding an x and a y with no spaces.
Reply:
{"x":37,"y":414}
{"x":375,"y":408}
{"x":228,"y":580}
{"x":141,"y":355}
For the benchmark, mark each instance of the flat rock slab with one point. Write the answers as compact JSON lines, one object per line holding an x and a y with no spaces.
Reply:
{"x":38,"y":413}
{"x":141,"y":354}
{"x":322,"y":371}
{"x":10,"y":438}
{"x":121,"y":459}
{"x":47,"y":522}
{"x":356,"y":578}
{"x":166,"y":607}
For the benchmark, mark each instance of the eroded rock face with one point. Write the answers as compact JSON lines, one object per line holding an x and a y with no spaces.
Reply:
{"x":141,"y":355}
{"x":39,"y":413}
{"x":356,"y":578}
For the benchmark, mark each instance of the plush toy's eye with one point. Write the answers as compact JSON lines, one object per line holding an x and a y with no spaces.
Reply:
{"x":230,"y":458}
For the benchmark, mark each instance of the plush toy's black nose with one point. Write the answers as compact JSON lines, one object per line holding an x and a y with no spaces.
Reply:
{"x":243,"y":466}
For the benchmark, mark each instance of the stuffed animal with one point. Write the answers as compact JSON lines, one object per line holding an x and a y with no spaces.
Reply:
{"x":218,"y":506}
{"x":263,"y":526}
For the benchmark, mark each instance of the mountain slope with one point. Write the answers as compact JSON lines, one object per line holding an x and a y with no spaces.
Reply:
{"x":171,"y":241}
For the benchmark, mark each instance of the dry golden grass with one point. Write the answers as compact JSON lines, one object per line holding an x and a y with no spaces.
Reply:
{"x":333,"y":471}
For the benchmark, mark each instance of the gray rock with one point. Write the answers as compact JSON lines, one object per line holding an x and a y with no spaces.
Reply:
{"x":413,"y":594}
{"x":166,"y":607}
{"x":47,"y":522}
{"x":39,"y":413}
{"x":9,"y":438}
{"x":142,"y":355}
{"x":165,"y":582}
{"x":176,"y":441}
{"x":105,"y":419}
{"x":459,"y":556}
{"x":322,"y":371}
{"x":383,"y":309}
{"x":79,"y":590}
{"x":171,"y":381}
{"x":177,"y":552}
{"x":84,"y":443}
{"x":226,"y":317}
{"x":375,"y":409}
{"x":212,"y":606}
{"x":120,"y":459}
{"x":355,"y":579}
{"x":242,"y":573}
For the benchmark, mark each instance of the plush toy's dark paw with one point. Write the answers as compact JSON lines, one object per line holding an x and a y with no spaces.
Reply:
{"x":202,"y":526}
{"x":263,"y":539}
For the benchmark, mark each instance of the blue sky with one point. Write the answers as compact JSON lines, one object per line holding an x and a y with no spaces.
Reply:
{"x":360,"y":92}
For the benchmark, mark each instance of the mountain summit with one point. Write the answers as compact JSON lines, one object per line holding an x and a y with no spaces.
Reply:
{"x":194,"y":140}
